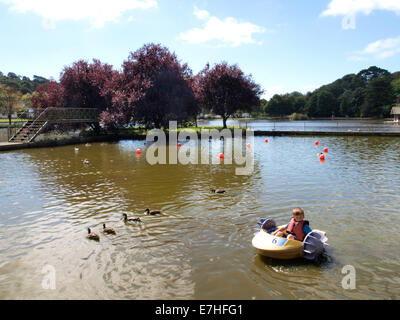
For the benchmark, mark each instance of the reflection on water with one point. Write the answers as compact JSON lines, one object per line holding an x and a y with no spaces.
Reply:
{"x":201,"y":247}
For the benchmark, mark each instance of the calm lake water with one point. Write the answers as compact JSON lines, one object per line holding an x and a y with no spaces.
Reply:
{"x":310,"y":125}
{"x":284,"y":125}
{"x":201,"y":248}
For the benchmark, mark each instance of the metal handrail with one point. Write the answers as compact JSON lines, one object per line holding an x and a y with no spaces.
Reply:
{"x":55,"y":114}
{"x":59,"y":114}
{"x":38,"y":131}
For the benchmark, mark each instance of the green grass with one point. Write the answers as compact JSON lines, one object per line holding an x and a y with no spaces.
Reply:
{"x":143,"y":131}
{"x":15,"y":125}
{"x":13,"y":120}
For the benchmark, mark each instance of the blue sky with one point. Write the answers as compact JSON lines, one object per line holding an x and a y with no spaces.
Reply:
{"x":286,"y":45}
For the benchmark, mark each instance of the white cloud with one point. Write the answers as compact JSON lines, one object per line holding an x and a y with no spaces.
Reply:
{"x":380,"y":49}
{"x":201,"y":14}
{"x":350,"y":8}
{"x":97,"y":12}
{"x":228,"y":31}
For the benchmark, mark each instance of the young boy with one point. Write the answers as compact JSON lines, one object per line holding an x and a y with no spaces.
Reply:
{"x":297,"y":228}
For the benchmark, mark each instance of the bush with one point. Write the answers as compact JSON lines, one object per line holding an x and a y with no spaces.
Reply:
{"x":298,"y":116}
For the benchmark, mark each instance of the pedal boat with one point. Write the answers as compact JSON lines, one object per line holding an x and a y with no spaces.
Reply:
{"x":277,"y":247}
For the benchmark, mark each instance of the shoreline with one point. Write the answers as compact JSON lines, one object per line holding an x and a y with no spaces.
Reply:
{"x":8,"y":146}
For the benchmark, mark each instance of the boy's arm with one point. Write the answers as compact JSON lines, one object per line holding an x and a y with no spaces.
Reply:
{"x":281,"y":229}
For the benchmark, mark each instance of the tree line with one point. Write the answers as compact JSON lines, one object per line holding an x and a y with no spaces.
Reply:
{"x":370,"y":93}
{"x":152,"y":88}
{"x":16,"y":92}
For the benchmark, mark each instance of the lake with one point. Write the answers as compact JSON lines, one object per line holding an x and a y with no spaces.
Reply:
{"x":285,"y":125}
{"x":308,"y":125}
{"x":201,"y":247}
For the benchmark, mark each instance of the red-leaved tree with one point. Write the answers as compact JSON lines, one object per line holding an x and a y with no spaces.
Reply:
{"x":49,"y":95}
{"x":152,"y":89}
{"x":85,"y":84}
{"x":225,"y":90}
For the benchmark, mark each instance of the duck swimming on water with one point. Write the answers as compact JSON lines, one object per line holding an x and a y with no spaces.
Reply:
{"x":218,"y":191}
{"x":108,"y":230}
{"x":152,"y":212}
{"x":126,"y":219}
{"x":92,"y":236}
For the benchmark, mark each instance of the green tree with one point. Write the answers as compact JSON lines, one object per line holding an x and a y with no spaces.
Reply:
{"x":396,"y":87}
{"x":379,"y":98}
{"x":39,"y":79}
{"x":345,"y":101}
{"x":274,"y":106}
{"x":372,"y":73}
{"x":357,"y":101}
{"x":12,"y":75}
{"x":311,"y":107}
{"x":10,"y":101}
{"x":327,"y":104}
{"x":298,"y":102}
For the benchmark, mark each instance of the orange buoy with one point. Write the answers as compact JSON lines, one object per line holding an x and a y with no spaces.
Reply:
{"x":179,"y":144}
{"x":266,"y":140}
{"x":138,"y":151}
{"x":325,"y":149}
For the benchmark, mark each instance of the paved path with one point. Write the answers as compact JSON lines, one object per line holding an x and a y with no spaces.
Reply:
{"x":11,"y":145}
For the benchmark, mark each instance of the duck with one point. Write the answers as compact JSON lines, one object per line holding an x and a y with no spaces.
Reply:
{"x":92,"y":236}
{"x":152,"y":212}
{"x":218,"y":191}
{"x":86,"y":161}
{"x":321,"y":156}
{"x":126,"y":219}
{"x":108,"y":230}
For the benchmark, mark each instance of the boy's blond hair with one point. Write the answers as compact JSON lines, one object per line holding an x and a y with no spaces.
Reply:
{"x":298,"y":210}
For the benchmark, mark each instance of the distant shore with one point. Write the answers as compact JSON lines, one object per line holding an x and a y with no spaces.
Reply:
{"x":287,"y":118}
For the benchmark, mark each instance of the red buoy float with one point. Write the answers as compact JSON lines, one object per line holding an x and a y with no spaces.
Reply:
{"x":221,"y":155}
{"x":179,"y":144}
{"x":138,"y":151}
{"x":322,"y":157}
{"x":316,"y":142}
{"x":266,"y":140}
{"x":248,"y":145}
{"x":325,"y":150}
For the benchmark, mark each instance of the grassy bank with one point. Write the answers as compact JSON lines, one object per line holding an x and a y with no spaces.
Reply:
{"x":142,"y":131}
